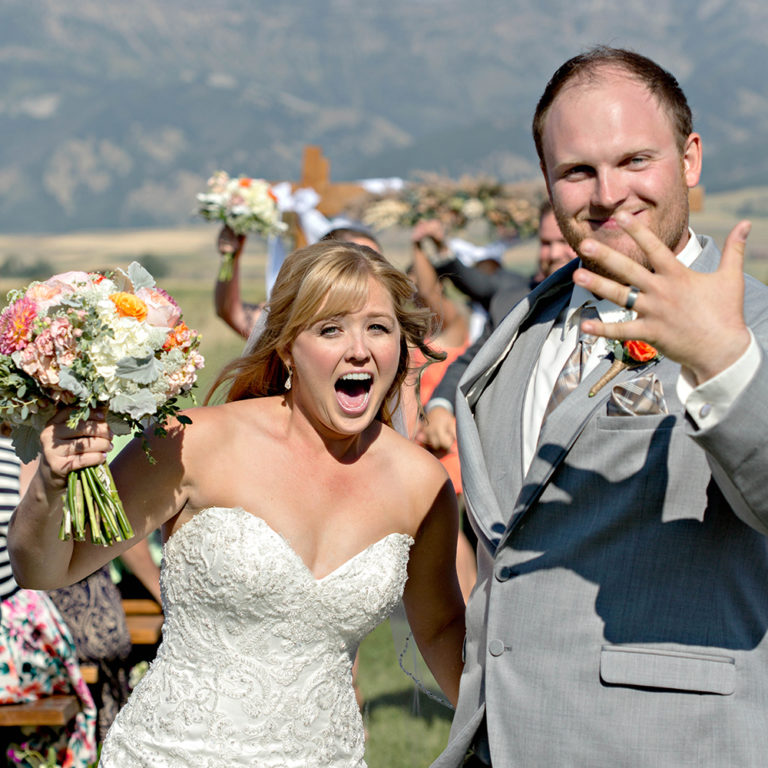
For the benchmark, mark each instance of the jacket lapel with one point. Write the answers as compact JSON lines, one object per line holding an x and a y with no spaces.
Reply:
{"x":520,"y":337}
{"x":489,"y":504}
{"x":564,"y":425}
{"x":558,"y":434}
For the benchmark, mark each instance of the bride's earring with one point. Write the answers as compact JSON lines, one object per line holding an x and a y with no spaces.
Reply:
{"x":287,"y":384}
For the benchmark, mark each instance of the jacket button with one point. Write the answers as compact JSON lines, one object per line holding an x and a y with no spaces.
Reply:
{"x":496,"y":647}
{"x":505,"y":573}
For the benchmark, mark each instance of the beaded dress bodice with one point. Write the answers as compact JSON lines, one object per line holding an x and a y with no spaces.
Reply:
{"x":255,"y":665}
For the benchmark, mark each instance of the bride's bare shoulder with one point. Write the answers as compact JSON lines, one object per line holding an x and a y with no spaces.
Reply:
{"x":422,"y":480}
{"x":199,"y":429}
{"x":206,"y":421}
{"x":415,"y":461}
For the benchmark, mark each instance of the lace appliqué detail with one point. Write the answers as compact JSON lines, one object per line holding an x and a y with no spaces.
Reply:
{"x":255,"y":667}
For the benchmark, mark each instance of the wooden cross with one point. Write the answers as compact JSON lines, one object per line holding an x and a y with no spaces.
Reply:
{"x":316,"y":173}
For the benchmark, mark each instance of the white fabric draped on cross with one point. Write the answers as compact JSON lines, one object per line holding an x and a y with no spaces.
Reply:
{"x":303,"y":202}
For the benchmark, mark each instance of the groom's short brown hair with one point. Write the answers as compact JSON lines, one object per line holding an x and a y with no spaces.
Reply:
{"x":586,"y":67}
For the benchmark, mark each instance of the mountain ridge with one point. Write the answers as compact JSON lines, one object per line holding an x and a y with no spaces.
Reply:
{"x":114,"y":116}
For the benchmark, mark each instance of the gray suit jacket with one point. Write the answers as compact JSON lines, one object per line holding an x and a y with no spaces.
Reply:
{"x":621,"y":607}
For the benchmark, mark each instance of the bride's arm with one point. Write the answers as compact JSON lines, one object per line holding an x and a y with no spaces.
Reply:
{"x":433,"y":601}
{"x":151,"y":493}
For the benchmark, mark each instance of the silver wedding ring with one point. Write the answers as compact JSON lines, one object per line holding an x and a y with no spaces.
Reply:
{"x":631,"y":297}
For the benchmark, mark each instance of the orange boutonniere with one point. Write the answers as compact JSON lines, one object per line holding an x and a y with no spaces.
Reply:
{"x":626,"y":354}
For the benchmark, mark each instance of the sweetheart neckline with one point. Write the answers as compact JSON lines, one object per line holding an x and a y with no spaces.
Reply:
{"x":287,"y":544}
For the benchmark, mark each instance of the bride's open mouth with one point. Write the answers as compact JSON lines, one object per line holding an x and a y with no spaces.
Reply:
{"x":353,"y":391}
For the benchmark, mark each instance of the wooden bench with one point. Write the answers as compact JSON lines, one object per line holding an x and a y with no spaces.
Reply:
{"x":51,"y":710}
{"x":145,"y":630}
{"x":90,"y":673}
{"x":145,"y":621}
{"x":134,"y":607}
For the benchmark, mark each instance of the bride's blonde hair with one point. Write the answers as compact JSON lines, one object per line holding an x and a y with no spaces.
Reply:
{"x":325,"y":280}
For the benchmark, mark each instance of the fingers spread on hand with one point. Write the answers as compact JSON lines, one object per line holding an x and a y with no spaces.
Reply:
{"x":659,"y":256}
{"x":605,"y":288}
{"x":609,"y":261}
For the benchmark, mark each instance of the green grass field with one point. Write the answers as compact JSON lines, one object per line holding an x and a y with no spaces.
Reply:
{"x":398,"y":737}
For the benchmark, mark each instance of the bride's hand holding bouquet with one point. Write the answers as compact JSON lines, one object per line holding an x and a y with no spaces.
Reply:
{"x":81,"y":344}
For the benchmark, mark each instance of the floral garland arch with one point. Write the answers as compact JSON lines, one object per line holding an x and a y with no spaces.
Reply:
{"x":511,"y":211}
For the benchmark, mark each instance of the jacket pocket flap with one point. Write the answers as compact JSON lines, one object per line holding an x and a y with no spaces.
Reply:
{"x":673,"y":670}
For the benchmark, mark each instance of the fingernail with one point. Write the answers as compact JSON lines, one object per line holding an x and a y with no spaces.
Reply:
{"x":622,"y":217}
{"x":587,"y":247}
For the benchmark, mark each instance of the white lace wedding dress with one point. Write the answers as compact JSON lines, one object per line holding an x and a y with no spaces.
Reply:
{"x":255,"y":666}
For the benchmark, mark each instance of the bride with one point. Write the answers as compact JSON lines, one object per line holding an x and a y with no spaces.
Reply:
{"x":294,"y":518}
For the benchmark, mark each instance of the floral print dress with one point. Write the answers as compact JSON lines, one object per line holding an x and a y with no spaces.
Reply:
{"x":37,"y":657}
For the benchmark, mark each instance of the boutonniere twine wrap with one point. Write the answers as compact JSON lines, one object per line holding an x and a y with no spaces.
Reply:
{"x":92,"y":341}
{"x":244,"y":204}
{"x":626,"y":354}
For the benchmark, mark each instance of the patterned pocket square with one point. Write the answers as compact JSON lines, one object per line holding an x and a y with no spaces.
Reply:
{"x":643,"y":396}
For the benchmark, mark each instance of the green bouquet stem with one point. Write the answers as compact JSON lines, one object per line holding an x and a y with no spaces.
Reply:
{"x":226,"y":268}
{"x":91,"y":500}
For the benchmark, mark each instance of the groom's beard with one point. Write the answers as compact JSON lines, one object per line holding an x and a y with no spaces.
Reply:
{"x":670,"y":226}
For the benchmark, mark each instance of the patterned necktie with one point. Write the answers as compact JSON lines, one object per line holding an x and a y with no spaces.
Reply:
{"x":570,"y":374}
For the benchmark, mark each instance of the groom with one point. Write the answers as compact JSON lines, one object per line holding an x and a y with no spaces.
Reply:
{"x":621,"y":607}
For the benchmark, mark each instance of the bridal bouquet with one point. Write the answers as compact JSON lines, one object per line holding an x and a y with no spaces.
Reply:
{"x":244,"y":205}
{"x":87,"y":340}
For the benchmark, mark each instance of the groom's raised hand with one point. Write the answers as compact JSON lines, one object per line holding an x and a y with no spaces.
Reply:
{"x":694,"y":318}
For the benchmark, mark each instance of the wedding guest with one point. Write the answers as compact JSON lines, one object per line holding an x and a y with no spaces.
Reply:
{"x":37,"y":653}
{"x":93,"y":612}
{"x":241,"y":316}
{"x":554,"y":250}
{"x":621,"y":615}
{"x":438,"y":429}
{"x":452,"y":339}
{"x":294,"y":518}
{"x":480,"y":274}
